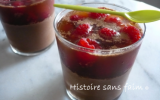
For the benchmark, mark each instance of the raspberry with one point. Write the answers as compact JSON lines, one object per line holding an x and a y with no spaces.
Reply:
{"x":106,"y":33}
{"x":75,"y":18}
{"x":84,"y":58}
{"x":81,"y":31}
{"x":132,"y":32}
{"x":85,"y":42}
{"x":17,"y":3}
{"x":93,"y":42}
{"x":116,"y":20}
{"x":27,"y":2}
{"x":78,"y":15}
{"x":96,"y":15}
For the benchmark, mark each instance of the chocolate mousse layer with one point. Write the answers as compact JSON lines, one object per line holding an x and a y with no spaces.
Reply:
{"x":31,"y":38}
{"x":96,"y":89}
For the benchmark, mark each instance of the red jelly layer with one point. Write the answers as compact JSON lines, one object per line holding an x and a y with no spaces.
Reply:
{"x":93,"y":66}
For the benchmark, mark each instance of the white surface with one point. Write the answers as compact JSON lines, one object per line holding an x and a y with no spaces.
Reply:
{"x":40,"y":77}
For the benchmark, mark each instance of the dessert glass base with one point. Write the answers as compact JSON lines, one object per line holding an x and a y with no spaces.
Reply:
{"x":96,"y":66}
{"x":70,"y":95}
{"x":73,"y":98}
{"x":31,"y":53}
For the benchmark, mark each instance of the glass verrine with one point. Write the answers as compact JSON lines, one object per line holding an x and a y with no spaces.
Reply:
{"x":28,"y":25}
{"x":101,"y":74}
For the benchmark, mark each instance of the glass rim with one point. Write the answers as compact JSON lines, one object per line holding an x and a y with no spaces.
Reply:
{"x":102,"y":50}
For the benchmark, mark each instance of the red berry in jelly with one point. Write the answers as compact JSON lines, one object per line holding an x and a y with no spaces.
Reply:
{"x":94,"y":42}
{"x":96,"y":15}
{"x":116,"y":20}
{"x":82,"y":30}
{"x":85,"y":59}
{"x":133,"y":32}
{"x":107,"y":33}
{"x":75,"y":18}
{"x":17,"y":3}
{"x":89,"y":43}
{"x":86,"y":43}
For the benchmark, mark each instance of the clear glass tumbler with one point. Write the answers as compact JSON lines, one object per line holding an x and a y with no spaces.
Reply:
{"x":102,"y":74}
{"x":28,"y":25}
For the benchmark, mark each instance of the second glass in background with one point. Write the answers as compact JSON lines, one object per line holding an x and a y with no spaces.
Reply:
{"x":28,"y":25}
